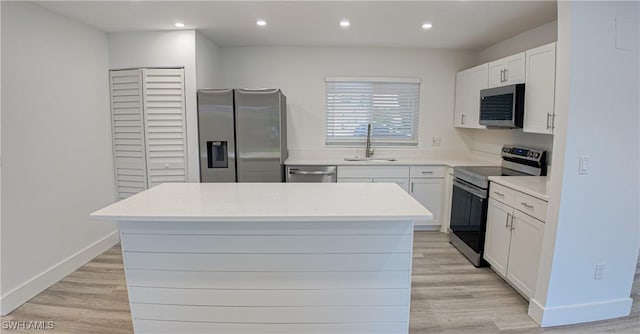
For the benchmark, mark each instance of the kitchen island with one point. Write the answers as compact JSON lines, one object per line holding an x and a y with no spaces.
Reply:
{"x":268,"y":257}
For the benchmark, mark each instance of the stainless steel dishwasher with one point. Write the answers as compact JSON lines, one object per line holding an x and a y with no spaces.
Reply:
{"x":312,"y":173}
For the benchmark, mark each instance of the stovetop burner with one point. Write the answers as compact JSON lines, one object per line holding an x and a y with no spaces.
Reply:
{"x":516,"y":161}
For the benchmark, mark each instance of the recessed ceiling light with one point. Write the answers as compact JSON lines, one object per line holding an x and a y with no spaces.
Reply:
{"x":427,"y":25}
{"x":261,"y":23}
{"x":179,"y":25}
{"x":345,"y":23}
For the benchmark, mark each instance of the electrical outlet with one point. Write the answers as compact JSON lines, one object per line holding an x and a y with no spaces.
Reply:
{"x":435,"y":141}
{"x":599,"y":272}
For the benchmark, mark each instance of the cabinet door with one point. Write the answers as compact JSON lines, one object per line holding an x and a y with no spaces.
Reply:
{"x":446,"y":205}
{"x":127,"y":120}
{"x":540,"y":89}
{"x":461,"y":98}
{"x":429,"y":193}
{"x":498,"y":236}
{"x":496,"y":73}
{"x":524,"y":254}
{"x":164,"y":109}
{"x":478,"y":79}
{"x":507,"y":71}
{"x":468,"y":85}
{"x":403,"y":183}
{"x":515,"y":69}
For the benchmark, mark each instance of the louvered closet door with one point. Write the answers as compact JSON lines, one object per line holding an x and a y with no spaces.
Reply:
{"x":128,"y":132}
{"x":165,"y":131}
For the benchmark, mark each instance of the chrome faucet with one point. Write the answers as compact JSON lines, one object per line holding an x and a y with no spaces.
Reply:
{"x":368,"y":150}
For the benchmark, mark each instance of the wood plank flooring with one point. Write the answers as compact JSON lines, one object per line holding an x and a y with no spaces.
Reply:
{"x":448,"y":295}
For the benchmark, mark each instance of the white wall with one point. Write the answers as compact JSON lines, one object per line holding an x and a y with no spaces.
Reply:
{"x":541,"y":35}
{"x":300,"y":73}
{"x":593,"y":218}
{"x":56,"y":149}
{"x":164,"y":49}
{"x":491,"y":141}
{"x":208,"y":66}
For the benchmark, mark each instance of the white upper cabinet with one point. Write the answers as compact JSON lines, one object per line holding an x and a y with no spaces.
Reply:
{"x":540,"y":89}
{"x":467,"y":105}
{"x":507,"y":71}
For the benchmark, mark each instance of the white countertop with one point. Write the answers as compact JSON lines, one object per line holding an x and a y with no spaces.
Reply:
{"x":211,"y":202}
{"x":443,"y":158}
{"x":535,"y":186}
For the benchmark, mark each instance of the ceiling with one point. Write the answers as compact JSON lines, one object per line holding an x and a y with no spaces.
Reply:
{"x":461,"y":25}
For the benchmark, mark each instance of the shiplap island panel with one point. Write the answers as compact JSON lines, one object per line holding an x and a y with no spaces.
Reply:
{"x":268,"y":258}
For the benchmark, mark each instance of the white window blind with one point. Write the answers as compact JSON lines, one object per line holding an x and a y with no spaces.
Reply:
{"x":390,"y":105}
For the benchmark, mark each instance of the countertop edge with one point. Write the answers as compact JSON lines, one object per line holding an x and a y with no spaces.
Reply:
{"x":518,"y":187}
{"x":292,"y":219}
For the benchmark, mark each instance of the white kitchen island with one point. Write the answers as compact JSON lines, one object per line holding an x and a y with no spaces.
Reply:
{"x":268,"y":257}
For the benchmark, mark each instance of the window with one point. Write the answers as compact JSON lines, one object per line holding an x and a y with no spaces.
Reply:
{"x":389,"y":104}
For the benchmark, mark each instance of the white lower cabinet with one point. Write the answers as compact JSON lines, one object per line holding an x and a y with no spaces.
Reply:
{"x":498,"y":236}
{"x":429,"y":193}
{"x":425,"y":183}
{"x":513,"y":242}
{"x":403,"y":183}
{"x":524,"y":253}
{"x":446,"y":204}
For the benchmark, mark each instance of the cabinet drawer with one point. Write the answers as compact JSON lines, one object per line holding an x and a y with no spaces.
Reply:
{"x":373,"y":171}
{"x":427,"y":171}
{"x":502,"y":193}
{"x":530,"y":205}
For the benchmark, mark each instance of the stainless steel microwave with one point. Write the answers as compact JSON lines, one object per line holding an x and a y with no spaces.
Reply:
{"x":502,"y":107}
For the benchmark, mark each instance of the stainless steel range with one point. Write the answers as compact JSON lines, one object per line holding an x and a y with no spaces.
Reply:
{"x":470,"y":196}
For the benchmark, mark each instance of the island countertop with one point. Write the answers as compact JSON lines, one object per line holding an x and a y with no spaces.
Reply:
{"x":211,"y":202}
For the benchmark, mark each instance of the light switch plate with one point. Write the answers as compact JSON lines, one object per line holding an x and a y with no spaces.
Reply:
{"x":584,"y":165}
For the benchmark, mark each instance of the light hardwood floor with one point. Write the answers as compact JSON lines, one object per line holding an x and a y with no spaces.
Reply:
{"x":448,"y":295}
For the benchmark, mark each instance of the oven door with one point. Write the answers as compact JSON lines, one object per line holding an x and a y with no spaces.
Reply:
{"x":469,"y":214}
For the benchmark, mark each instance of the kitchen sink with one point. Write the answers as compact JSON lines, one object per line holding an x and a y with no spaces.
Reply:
{"x":369,"y":159}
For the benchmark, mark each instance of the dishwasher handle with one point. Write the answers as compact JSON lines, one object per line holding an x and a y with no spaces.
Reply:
{"x":315,"y":172}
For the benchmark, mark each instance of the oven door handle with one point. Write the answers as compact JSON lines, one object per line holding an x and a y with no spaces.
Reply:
{"x":476,"y":192}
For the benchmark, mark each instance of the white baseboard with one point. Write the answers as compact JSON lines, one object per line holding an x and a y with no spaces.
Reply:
{"x":426,"y":228}
{"x":27,"y":290}
{"x":579,"y":313}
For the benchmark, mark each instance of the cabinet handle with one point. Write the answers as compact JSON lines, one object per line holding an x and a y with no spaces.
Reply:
{"x":527,"y":205}
{"x":506,"y":75}
{"x":502,"y":75}
{"x":411,"y":190}
{"x":548,"y":119}
{"x":513,"y":226}
{"x":499,"y":194}
{"x":462,"y":121}
{"x":506,"y":225}
{"x":425,"y":172}
{"x":553,"y":121}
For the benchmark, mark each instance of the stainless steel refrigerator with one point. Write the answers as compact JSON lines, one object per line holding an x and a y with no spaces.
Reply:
{"x":242,"y":135}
